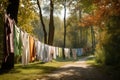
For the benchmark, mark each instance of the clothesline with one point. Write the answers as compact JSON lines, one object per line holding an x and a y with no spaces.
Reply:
{"x":35,"y":49}
{"x":30,"y":49}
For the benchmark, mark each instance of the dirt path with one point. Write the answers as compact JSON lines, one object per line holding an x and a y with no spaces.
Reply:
{"x":76,"y":71}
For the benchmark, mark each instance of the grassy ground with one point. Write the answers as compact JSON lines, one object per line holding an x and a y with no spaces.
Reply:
{"x":31,"y":71}
{"x":37,"y":70}
{"x":113,"y":72}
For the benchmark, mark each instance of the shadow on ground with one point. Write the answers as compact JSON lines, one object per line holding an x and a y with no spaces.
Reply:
{"x":36,"y":66}
{"x":81,"y":73}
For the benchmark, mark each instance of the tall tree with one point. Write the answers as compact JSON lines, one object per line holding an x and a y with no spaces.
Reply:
{"x":12,"y":10}
{"x":93,"y":38}
{"x":2,"y":8}
{"x":51,"y":24}
{"x":42,"y":22}
{"x":64,"y":45}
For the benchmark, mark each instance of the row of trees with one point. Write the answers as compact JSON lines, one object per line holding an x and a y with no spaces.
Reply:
{"x":30,"y":10}
{"x":41,"y":10}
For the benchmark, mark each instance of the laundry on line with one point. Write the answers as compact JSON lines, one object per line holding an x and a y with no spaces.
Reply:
{"x":29,"y":49}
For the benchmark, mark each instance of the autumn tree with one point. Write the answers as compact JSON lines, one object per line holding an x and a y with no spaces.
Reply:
{"x":105,"y":17}
{"x":107,"y":50}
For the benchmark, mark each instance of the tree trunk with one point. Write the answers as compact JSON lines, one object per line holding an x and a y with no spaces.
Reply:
{"x":81,"y":37}
{"x":64,"y":45}
{"x":81,"y":41}
{"x":42,"y":22}
{"x":51,"y":24}
{"x":12,"y":11}
{"x":86,"y":36}
{"x":93,"y":38}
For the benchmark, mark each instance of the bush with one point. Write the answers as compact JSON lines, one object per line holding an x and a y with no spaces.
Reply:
{"x":108,"y":49}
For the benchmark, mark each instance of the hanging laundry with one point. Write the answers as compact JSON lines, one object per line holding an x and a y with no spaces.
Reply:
{"x":57,"y":51}
{"x":8,"y":60}
{"x":26,"y":49}
{"x":20,"y":44}
{"x":17,"y":44}
{"x":60,"y":52}
{"x":52,"y":54}
{"x":42,"y":51}
{"x":45,"y":54}
{"x":37,"y":48}
{"x":31,"y":45}
{"x":17,"y":41}
{"x":67,"y":52}
{"x":71,"y":55}
{"x":84,"y":51}
{"x":74,"y":52}
{"x":11,"y":35}
{"x":53,"y":51}
{"x":34,"y":51}
{"x":79,"y":52}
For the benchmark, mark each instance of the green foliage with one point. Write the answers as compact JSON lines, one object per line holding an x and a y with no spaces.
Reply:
{"x":26,"y":15}
{"x":58,"y":36}
{"x":38,"y":31}
{"x":77,"y":36}
{"x":87,"y":6}
{"x":108,"y":49}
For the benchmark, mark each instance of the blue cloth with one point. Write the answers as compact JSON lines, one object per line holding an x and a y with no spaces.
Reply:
{"x":79,"y":52}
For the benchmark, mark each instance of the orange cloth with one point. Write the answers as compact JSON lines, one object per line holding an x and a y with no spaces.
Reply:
{"x":31,"y":44}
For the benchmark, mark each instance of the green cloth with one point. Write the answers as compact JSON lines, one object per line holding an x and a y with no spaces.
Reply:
{"x":60,"y":52}
{"x":17,"y":41}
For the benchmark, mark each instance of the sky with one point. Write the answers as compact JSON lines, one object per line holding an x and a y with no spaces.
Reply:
{"x":62,"y":14}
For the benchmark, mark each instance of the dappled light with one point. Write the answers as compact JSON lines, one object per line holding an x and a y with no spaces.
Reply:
{"x":59,"y":40}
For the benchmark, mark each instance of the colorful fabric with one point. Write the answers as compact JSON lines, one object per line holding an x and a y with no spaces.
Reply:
{"x":57,"y":51}
{"x":42,"y":51}
{"x":38,"y":46}
{"x":74,"y":52}
{"x":11,"y":35}
{"x":45,"y":54}
{"x":26,"y":50}
{"x":79,"y":52}
{"x":8,"y":60}
{"x":31,"y":45}
{"x":67,"y":52}
{"x":17,"y":41}
{"x":60,"y":52}
{"x":52,"y":53}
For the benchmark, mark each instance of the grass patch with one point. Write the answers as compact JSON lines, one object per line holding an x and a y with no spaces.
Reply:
{"x":91,"y":60}
{"x":32,"y":70}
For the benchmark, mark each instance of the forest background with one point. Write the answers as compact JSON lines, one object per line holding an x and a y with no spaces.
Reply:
{"x":91,"y":24}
